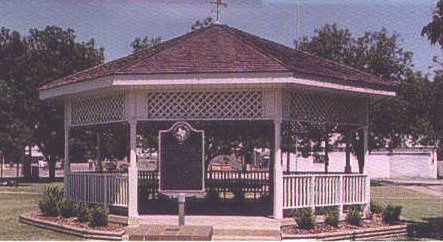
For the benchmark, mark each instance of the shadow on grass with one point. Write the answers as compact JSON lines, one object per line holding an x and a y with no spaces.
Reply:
{"x":431,"y":228}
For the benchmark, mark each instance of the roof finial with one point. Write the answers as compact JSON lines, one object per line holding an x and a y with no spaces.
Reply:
{"x":218,"y":4}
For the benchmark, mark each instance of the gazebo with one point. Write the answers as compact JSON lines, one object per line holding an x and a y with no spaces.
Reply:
{"x":220,"y":73}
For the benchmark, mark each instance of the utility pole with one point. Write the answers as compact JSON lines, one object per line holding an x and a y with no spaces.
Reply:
{"x":298,"y":26}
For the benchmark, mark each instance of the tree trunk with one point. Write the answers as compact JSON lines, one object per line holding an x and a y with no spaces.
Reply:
{"x":51,"y":166}
{"x":27,"y":161}
{"x":326,"y":154}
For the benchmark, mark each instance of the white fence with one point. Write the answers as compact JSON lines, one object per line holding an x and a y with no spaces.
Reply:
{"x":109,"y":189}
{"x":323,"y":190}
{"x":299,"y":190}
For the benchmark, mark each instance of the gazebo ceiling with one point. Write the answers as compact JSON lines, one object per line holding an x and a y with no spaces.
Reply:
{"x":220,"y":49}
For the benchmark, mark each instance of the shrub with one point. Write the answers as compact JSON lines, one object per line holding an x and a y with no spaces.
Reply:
{"x":376,"y":207}
{"x":391,"y":214}
{"x":66,"y":208}
{"x":50,"y":201}
{"x":82,"y":213}
{"x":212,"y":195}
{"x":305,"y":218}
{"x":354,"y":216}
{"x":332,"y":217}
{"x":98,"y":216}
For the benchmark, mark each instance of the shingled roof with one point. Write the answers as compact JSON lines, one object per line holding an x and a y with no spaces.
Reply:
{"x":223,"y":49}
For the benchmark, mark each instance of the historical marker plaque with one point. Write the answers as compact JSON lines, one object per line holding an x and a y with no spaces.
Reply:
{"x":181,"y":159}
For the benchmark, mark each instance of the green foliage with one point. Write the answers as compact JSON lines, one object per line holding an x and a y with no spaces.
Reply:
{"x":146,"y":42}
{"x":391,"y":214}
{"x":66,"y":208}
{"x":411,"y":114}
{"x":83,"y":213}
{"x":354,"y":216}
{"x":332,"y":217}
{"x":434,"y":29}
{"x":205,"y":23}
{"x":26,"y":63}
{"x":49,"y":205}
{"x":98,"y":216}
{"x":376,"y":207}
{"x":305,"y":218}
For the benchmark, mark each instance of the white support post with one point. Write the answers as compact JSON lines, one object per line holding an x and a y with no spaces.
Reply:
{"x":66,"y":165}
{"x":312,"y":193}
{"x":133,"y":174}
{"x":368,"y":179}
{"x":133,"y":216}
{"x":278,"y":171}
{"x":340,"y":197}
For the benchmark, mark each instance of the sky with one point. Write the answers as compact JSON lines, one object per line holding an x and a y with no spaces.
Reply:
{"x":114,"y":24}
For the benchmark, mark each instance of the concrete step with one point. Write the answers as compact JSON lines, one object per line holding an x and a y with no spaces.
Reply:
{"x":245,"y":238}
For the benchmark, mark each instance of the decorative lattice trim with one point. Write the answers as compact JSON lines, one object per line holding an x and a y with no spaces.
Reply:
{"x":204,"y":105}
{"x":314,"y":107}
{"x":98,"y":109}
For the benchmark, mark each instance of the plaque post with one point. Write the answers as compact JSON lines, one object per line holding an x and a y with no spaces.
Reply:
{"x":181,"y":209}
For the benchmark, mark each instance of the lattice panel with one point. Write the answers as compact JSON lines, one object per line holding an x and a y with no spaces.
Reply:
{"x":312,"y":107}
{"x":98,"y":109}
{"x":205,"y":105}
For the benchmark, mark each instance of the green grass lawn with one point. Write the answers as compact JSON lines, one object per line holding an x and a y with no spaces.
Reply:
{"x":15,"y":201}
{"x":416,"y":205}
{"x":13,"y":205}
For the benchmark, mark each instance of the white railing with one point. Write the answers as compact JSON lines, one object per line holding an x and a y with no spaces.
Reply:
{"x":109,"y":189}
{"x":323,"y":190}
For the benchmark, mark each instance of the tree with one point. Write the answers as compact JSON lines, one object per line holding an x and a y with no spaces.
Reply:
{"x":29,"y":62}
{"x":15,"y":123}
{"x":146,"y":42}
{"x":434,"y":29}
{"x":205,"y":23}
{"x":408,"y":116}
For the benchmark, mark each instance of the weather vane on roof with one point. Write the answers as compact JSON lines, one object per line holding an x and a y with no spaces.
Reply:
{"x":219,"y":4}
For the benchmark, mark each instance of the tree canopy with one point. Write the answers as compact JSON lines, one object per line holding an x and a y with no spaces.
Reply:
{"x":434,"y":29}
{"x":407,"y":117}
{"x":202,"y":24}
{"x":146,"y":42}
{"x":26,"y":63}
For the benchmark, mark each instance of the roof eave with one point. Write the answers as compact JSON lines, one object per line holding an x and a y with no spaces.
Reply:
{"x":262,"y":80}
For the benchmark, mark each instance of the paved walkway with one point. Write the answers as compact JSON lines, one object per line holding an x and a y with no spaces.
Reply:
{"x":20,"y":193}
{"x":225,"y":227}
{"x":414,"y":182}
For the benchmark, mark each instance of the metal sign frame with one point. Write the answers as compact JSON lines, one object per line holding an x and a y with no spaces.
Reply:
{"x":186,"y":192}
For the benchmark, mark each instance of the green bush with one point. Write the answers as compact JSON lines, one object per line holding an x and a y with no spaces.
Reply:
{"x":305,"y":218}
{"x":82,"y":213}
{"x":332,"y":217}
{"x":98,"y":216}
{"x":354,"y":216}
{"x":376,"y":207}
{"x":391,"y":214}
{"x":66,"y":208}
{"x":49,"y":205}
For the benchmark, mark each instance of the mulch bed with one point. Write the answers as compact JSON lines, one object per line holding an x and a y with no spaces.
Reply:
{"x":342,"y":227}
{"x":73,"y":222}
